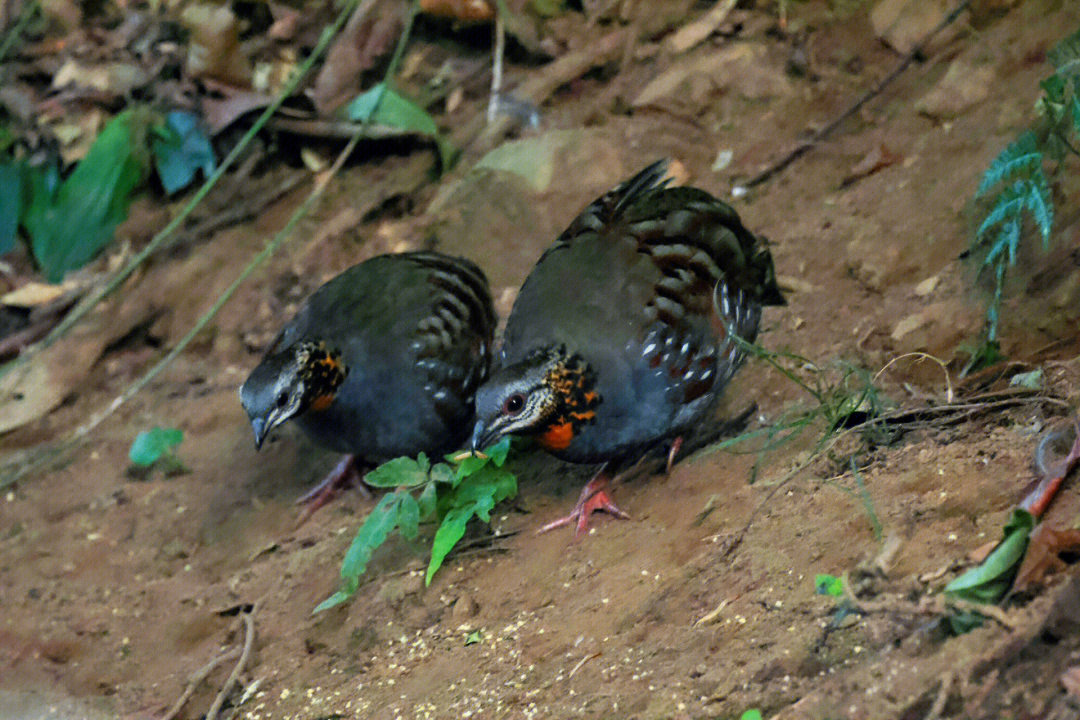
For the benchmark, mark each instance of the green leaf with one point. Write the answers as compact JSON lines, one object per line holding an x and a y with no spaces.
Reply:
{"x":469,"y":466}
{"x":1031,"y":380}
{"x":472,"y":638}
{"x":442,"y":473}
{"x":476,"y":495}
{"x":1076,"y":112}
{"x":450,"y":531}
{"x":373,"y":533}
{"x":181,"y":149}
{"x":499,"y":451}
{"x":70,"y":228}
{"x":399,"y":472}
{"x":829,"y":585}
{"x":151,"y":445}
{"x":1020,"y":157}
{"x":1010,"y":203}
{"x":1065,"y":56}
{"x":383,"y":106}
{"x":1038,"y":201}
{"x":409,"y":516}
{"x":426,"y":502}
{"x":333,"y":601}
{"x":752,"y":714}
{"x":990,"y":581}
{"x":11,"y":203}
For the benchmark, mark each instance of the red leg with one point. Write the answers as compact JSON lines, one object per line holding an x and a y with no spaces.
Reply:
{"x":676,"y":445}
{"x":594,"y":496}
{"x":344,"y":475}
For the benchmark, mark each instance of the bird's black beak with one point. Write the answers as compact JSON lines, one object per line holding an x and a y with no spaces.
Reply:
{"x":259,"y":427}
{"x":482,"y":437}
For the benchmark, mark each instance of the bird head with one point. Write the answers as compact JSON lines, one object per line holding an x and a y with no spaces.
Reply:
{"x":548,"y":394}
{"x":303,"y":377}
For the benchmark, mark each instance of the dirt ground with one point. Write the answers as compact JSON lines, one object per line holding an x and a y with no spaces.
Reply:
{"x":115,"y":588}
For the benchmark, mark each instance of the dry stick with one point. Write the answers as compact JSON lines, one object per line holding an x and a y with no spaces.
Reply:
{"x":821,"y":134}
{"x":234,"y":676}
{"x":271,"y":247}
{"x":197,"y":679}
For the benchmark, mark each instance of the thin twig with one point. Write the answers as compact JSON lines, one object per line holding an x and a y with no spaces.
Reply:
{"x":196,"y":679}
{"x":582,"y":662}
{"x":807,"y":145}
{"x":249,"y":641}
{"x":497,"y":67}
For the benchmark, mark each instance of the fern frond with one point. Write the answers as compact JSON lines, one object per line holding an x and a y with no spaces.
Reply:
{"x":1037,"y":199}
{"x":1010,"y":203}
{"x":1065,"y":56}
{"x":1021,"y":157}
{"x":1008,"y":239}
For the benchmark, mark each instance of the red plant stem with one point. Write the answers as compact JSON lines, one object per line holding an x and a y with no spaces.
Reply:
{"x":1054,"y":475}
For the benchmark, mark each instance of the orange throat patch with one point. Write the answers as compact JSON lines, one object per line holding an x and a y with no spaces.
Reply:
{"x":557,"y":437}
{"x":322,"y":402}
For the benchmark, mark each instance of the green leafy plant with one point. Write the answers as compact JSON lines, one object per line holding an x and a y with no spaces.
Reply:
{"x":69,"y":222}
{"x":751,"y":714}
{"x":450,"y":493}
{"x":1016,"y":188}
{"x":157,"y":448}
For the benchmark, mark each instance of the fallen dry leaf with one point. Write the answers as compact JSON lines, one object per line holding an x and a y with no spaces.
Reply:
{"x":232,"y":103}
{"x":214,"y":50}
{"x":286,"y":22}
{"x":33,"y":294}
{"x":1041,"y":557}
{"x":879,"y":157}
{"x":691,"y":34}
{"x":370,"y":32}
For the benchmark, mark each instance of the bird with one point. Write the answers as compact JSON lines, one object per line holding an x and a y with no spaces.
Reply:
{"x":382,"y":361}
{"x":621,"y":338}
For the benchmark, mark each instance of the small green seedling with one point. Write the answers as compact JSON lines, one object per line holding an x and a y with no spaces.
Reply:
{"x":473,"y":638}
{"x":751,"y":714}
{"x":157,"y":448}
{"x":449,"y":493}
{"x":829,"y":585}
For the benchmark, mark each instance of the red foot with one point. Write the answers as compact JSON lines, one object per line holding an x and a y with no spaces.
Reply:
{"x":344,"y":475}
{"x":594,"y":497}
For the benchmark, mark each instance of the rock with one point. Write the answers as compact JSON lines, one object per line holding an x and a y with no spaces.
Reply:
{"x":394,"y":591}
{"x":909,"y":324}
{"x":927,"y":286}
{"x":903,"y":23}
{"x":963,"y":87}
{"x":741,"y":67}
{"x":464,"y":609}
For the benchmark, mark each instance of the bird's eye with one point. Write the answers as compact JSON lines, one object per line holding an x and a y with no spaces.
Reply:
{"x":282,"y":399}
{"x":514,"y":404}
